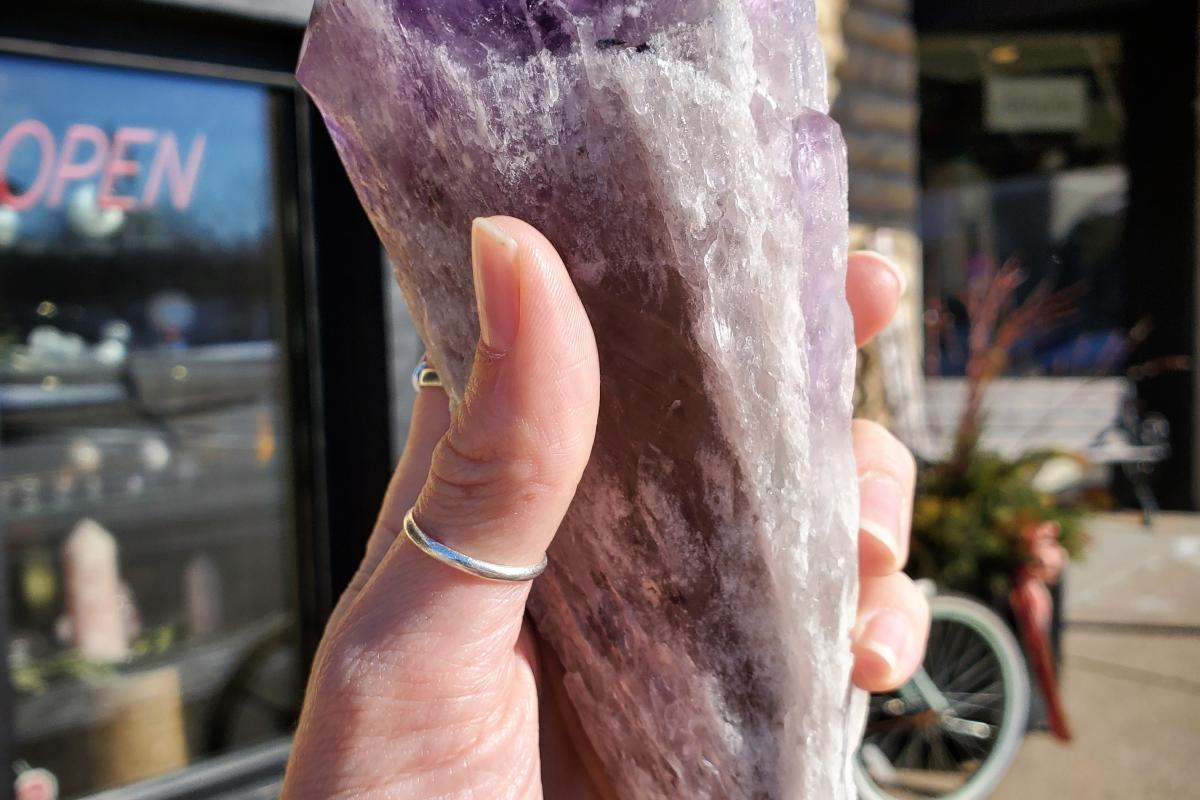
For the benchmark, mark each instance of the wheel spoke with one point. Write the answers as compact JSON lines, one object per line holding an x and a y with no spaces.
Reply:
{"x":985,"y":700}
{"x":975,"y":652}
{"x":934,"y":650}
{"x":964,"y":681}
{"x":912,"y":750}
{"x":945,"y":657}
{"x":939,"y":752}
{"x":960,"y":657}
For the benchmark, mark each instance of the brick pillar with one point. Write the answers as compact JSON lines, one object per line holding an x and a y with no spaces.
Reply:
{"x":871,"y":49}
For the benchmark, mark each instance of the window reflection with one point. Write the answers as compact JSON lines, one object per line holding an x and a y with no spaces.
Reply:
{"x":142,"y":478}
{"x":1022,"y":160}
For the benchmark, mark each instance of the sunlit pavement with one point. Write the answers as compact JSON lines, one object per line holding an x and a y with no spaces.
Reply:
{"x":1131,"y":676}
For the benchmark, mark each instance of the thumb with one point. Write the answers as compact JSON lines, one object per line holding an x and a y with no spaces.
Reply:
{"x":501,"y":478}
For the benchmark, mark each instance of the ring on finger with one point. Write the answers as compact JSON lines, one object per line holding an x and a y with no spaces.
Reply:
{"x":425,"y":376}
{"x":464,"y":563}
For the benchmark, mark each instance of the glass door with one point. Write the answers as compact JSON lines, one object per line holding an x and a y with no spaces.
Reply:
{"x":1023,"y":162}
{"x":145,"y":494}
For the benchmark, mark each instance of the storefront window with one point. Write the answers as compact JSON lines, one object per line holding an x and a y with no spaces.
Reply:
{"x":144,"y":495}
{"x":1022,"y":162}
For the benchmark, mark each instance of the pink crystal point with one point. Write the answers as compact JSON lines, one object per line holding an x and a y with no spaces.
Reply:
{"x":93,"y":587}
{"x":677,"y":153}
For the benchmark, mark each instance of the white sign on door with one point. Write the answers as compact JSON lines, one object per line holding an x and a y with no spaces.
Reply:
{"x":1027,"y":105}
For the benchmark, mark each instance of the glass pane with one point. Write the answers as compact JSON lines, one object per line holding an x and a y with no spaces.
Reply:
{"x":404,"y":349}
{"x":1022,"y":139}
{"x":143,"y":449}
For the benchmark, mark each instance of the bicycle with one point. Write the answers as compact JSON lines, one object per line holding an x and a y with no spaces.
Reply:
{"x":955,"y":728}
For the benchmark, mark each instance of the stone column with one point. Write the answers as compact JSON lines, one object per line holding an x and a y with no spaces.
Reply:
{"x":871,"y":46}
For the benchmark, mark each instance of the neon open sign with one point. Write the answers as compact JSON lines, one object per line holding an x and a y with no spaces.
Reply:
{"x":150,"y":160}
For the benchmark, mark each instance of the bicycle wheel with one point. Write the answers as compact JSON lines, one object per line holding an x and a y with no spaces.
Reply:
{"x":954,"y":729}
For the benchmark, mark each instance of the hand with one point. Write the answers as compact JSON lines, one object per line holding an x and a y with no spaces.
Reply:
{"x":426,"y":683}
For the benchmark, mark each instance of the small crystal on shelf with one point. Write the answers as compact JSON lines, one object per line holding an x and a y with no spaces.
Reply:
{"x":202,"y":606}
{"x":94,"y":596}
{"x":679,"y":156}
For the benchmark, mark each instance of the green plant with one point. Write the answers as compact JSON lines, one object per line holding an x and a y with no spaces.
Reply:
{"x":39,"y":675}
{"x":970,"y":516}
{"x":973,"y":511}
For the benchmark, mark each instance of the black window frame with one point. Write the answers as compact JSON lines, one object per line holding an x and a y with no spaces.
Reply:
{"x":333,"y":304}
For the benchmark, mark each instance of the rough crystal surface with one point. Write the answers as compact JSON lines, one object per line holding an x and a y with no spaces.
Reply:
{"x":678,"y":154}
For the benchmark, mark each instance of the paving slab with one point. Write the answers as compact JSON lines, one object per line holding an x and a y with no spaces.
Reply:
{"x":1134,"y":740}
{"x":1131,"y":670}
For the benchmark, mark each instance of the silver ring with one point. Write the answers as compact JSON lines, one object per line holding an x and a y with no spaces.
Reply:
{"x":425,"y":376}
{"x":463,"y":562}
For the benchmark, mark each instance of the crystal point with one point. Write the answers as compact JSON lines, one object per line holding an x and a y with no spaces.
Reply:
{"x":678,"y":154}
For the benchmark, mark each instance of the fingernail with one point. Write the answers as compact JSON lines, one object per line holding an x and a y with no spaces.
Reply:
{"x":881,"y":514}
{"x":497,"y":284}
{"x":886,"y":635}
{"x":897,"y":273}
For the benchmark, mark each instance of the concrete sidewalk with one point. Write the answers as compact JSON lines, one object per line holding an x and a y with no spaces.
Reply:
{"x":1131,"y":671}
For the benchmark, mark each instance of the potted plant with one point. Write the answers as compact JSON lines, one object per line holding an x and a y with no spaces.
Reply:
{"x":989,"y":525}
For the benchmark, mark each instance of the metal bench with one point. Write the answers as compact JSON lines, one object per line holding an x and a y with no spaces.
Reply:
{"x":1094,"y":417}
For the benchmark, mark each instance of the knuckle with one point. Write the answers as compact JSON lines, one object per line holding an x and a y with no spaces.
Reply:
{"x":343,"y":676}
{"x":366,"y":661}
{"x":364,"y":689}
{"x":877,"y":448}
{"x":467,"y":472}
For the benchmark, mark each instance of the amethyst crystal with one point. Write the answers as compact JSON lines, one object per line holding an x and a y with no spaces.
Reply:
{"x":678,"y":154}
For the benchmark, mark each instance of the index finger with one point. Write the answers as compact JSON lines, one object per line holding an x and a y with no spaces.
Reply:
{"x":874,"y":286}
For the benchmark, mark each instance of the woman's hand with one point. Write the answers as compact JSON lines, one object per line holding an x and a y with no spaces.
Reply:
{"x":426,"y":683}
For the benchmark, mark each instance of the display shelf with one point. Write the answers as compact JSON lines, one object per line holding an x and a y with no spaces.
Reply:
{"x":164,"y":513}
{"x":70,"y":706}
